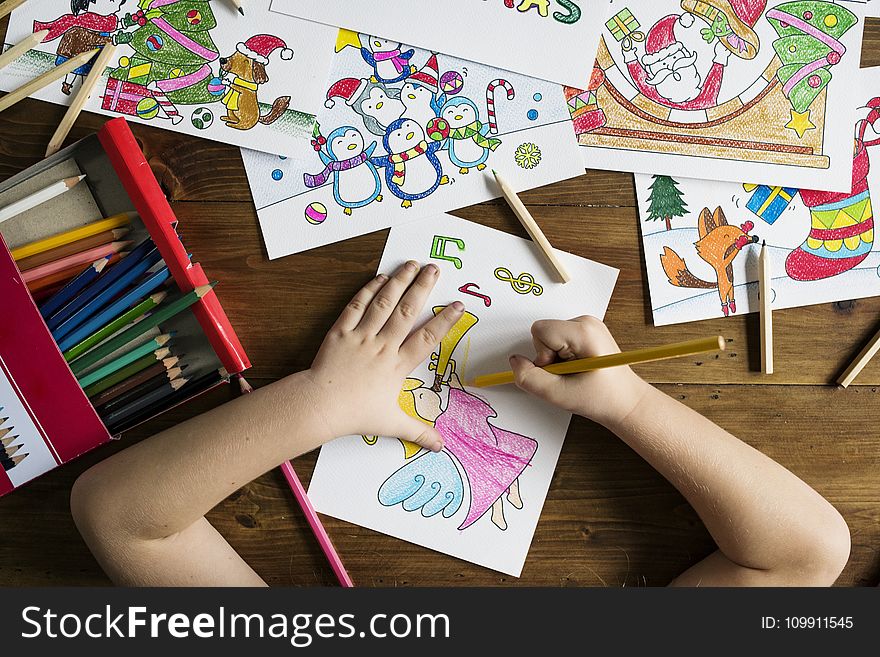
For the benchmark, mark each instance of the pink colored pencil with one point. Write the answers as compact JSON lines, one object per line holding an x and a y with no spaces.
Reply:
{"x":75,"y":260}
{"x":309,"y":511}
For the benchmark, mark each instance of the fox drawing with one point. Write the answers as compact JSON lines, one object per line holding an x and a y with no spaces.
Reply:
{"x":719,"y":244}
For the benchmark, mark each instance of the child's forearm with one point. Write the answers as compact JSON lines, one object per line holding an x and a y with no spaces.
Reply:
{"x":761,"y":515}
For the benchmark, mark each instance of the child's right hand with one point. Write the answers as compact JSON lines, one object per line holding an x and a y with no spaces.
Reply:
{"x":604,"y":396}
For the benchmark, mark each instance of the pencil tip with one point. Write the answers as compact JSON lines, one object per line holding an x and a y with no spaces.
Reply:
{"x":241,"y":11}
{"x":494,"y":173}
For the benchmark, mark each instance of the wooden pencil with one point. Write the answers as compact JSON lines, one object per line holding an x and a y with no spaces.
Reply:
{"x":7,"y":7}
{"x":44,"y":80}
{"x":157,"y":371}
{"x":5,"y":431}
{"x":7,"y":441}
{"x":81,"y":98}
{"x":148,"y":400}
{"x":139,"y":391}
{"x":133,"y":317}
{"x":532,"y":228}
{"x":39,"y":197}
{"x":57,"y":253}
{"x":65,"y":276}
{"x":72,"y":235}
{"x":861,"y":361}
{"x":765,"y":283}
{"x":152,"y":334}
{"x":75,"y":286}
{"x":75,"y":260}
{"x":11,"y":450}
{"x":153,"y":346}
{"x":646,"y":355}
{"x":130,"y":370}
{"x":22,"y":47}
{"x":10,"y":463}
{"x":238,"y":6}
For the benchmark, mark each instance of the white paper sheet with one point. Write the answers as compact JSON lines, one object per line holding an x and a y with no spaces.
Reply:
{"x":299,"y":208}
{"x":531,"y":37}
{"x":367,"y":483}
{"x":821,"y":245}
{"x":737,"y":120}
{"x":174,"y":76}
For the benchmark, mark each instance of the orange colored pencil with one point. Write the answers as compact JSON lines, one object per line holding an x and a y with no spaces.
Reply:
{"x":76,"y":260}
{"x":107,"y":237}
{"x":62,"y":277}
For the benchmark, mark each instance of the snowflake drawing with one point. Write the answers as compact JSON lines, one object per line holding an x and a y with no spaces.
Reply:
{"x":527,"y":156}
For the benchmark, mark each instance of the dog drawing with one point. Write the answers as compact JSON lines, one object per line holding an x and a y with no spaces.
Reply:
{"x":243,"y":76}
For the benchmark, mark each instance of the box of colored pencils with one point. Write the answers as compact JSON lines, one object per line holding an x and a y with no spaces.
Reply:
{"x":107,"y":320}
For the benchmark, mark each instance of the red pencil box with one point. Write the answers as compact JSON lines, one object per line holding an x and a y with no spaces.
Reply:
{"x":40,"y":399}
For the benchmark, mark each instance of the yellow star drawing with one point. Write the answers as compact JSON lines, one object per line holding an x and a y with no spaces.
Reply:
{"x":347,"y":38}
{"x":800,"y":123}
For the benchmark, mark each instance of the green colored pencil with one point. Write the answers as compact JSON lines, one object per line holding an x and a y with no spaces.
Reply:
{"x":130,"y":370}
{"x":125,"y":359}
{"x":162,"y":315}
{"x":117,"y":324}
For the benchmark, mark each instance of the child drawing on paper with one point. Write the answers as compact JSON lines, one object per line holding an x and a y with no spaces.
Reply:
{"x":356,"y":181}
{"x":468,"y":143}
{"x":390,"y":64}
{"x":412,"y":169}
{"x":719,"y":245}
{"x":89,"y":25}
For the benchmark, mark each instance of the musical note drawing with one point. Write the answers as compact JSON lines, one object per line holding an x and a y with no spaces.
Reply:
{"x":523,"y":284}
{"x":469,"y":288}
{"x":438,"y":249}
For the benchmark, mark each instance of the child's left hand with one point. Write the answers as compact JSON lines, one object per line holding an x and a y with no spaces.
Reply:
{"x":369,"y":351}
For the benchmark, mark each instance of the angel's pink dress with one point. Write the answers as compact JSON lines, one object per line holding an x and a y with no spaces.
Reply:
{"x":492,"y":458}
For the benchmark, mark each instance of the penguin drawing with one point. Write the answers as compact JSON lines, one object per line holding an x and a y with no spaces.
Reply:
{"x":412,"y":168}
{"x":390,"y":64}
{"x":356,"y":181}
{"x":421,"y":94}
{"x":468,"y":143}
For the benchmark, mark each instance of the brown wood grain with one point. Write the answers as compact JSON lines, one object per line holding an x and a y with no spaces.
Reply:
{"x":609,"y":520}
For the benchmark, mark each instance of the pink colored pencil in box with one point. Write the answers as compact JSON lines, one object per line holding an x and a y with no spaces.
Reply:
{"x":75,"y":260}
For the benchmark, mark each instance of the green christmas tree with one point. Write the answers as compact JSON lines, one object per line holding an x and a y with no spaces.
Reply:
{"x":171,"y":41}
{"x":666,"y":200}
{"x":807,"y":61}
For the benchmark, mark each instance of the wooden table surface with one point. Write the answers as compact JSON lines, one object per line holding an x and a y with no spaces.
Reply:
{"x":609,"y":519}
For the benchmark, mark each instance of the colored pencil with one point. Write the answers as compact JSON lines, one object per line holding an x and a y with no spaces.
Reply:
{"x":139,"y":391}
{"x":44,"y":80}
{"x":74,"y":330}
{"x":39,"y":197}
{"x":5,"y":431}
{"x":153,"y":398}
{"x":6,"y":442}
{"x":157,"y":371}
{"x":11,"y":449}
{"x":153,"y":346}
{"x":9,"y":5}
{"x":75,"y":260}
{"x":130,"y":370}
{"x":75,"y":286}
{"x":72,"y":235}
{"x":305,"y":504}
{"x":238,"y":5}
{"x":79,"y":102}
{"x":865,"y":356}
{"x":141,"y":258}
{"x":647,"y":355}
{"x":22,"y":47}
{"x":765,"y":282}
{"x":164,"y":313}
{"x":10,"y":463}
{"x":152,"y":334}
{"x":532,"y":228}
{"x":117,"y":326}
{"x":70,"y":249}
{"x":63,"y":277}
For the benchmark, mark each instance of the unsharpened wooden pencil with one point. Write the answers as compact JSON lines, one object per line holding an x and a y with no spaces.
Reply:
{"x":111,"y":329}
{"x":65,"y":275}
{"x":73,"y":248}
{"x":22,"y":47}
{"x":72,"y":235}
{"x":532,"y":228}
{"x":75,"y":286}
{"x":75,"y":260}
{"x":153,"y":398}
{"x":157,"y":371}
{"x":129,"y":370}
{"x":154,"y":346}
{"x":765,"y":285}
{"x":139,"y":391}
{"x":646,"y":355}
{"x":7,"y":7}
{"x":82,"y":97}
{"x":44,"y":80}
{"x":865,"y":356}
{"x":39,"y":197}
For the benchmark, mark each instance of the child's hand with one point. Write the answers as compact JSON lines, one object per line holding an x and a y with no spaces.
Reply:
{"x":605,"y":396}
{"x":360,"y":368}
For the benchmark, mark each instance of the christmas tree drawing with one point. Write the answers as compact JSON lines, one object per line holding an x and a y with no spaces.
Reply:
{"x":666,"y":201}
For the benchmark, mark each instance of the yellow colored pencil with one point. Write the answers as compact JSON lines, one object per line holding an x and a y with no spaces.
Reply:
{"x":73,"y":235}
{"x":646,"y":355}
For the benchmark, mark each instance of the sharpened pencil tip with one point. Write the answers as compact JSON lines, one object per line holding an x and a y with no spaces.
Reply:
{"x":494,"y":173}
{"x":241,"y":11}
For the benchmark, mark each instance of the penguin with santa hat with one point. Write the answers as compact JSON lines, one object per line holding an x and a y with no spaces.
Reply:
{"x":243,"y":72}
{"x":378,"y":106}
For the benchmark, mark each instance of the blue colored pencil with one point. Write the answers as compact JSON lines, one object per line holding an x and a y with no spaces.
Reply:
{"x":62,"y":327}
{"x":145,"y":251}
{"x":135,"y":296}
{"x":77,"y":285}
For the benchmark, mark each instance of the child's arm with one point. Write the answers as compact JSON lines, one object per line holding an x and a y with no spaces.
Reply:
{"x":771,"y":528}
{"x":142,"y":511}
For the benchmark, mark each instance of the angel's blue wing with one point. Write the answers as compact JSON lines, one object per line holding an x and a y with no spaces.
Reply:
{"x":430,"y":482}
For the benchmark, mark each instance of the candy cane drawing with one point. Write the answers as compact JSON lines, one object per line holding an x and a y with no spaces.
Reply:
{"x":490,"y":101}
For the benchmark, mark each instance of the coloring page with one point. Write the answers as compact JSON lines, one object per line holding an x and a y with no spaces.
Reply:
{"x":396,"y":145}
{"x":480,"y":498}
{"x":702,"y":239}
{"x":873,"y":8}
{"x":191,"y":66}
{"x":531,"y":37}
{"x":725,"y":90}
